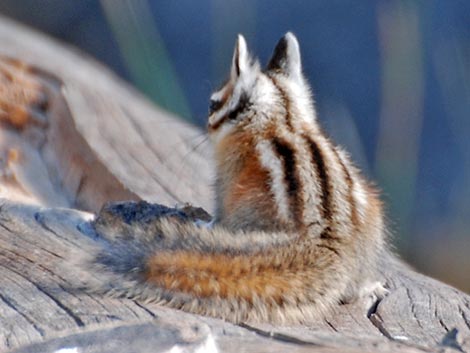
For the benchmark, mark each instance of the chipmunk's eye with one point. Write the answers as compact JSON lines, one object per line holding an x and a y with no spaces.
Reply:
{"x":214,"y":105}
{"x":242,"y":106}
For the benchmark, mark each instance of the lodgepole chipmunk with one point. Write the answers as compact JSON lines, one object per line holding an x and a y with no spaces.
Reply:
{"x":297,"y":229}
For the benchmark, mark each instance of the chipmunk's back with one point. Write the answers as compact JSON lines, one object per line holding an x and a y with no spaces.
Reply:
{"x":297,"y":229}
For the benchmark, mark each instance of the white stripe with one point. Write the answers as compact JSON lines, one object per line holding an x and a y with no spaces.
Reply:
{"x":217,"y":96}
{"x":272,"y":163}
{"x":300,"y":99}
{"x":358,"y":192}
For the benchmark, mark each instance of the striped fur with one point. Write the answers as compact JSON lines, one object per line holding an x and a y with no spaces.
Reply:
{"x":297,"y":229}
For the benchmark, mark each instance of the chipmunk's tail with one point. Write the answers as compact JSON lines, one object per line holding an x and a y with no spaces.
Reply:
{"x":241,"y":277}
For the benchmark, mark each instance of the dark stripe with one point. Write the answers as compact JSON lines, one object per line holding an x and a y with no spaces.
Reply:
{"x":350,"y":182}
{"x":287,"y":156}
{"x":285,"y":102}
{"x":330,"y":248}
{"x":242,"y":105}
{"x":215,"y":126}
{"x":319,"y":162}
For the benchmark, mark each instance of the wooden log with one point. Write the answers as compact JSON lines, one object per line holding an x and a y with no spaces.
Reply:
{"x":73,"y":136}
{"x":96,"y":137}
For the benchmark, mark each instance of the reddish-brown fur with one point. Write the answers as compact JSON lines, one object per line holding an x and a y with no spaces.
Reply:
{"x":236,"y":276}
{"x":269,"y":276}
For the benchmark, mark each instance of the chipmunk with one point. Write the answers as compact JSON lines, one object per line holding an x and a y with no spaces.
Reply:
{"x":296,"y":230}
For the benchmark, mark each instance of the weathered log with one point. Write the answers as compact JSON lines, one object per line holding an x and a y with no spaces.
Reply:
{"x":72,"y":135}
{"x":94,"y":136}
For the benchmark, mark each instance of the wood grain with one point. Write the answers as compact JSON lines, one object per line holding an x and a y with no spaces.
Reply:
{"x":73,"y":136}
{"x":98,"y":139}
{"x":41,"y":304}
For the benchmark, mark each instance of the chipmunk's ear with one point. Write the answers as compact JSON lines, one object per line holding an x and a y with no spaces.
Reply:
{"x":241,"y":58}
{"x":286,"y":57}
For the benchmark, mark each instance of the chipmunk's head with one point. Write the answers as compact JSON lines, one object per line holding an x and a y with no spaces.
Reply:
{"x":255,"y":97}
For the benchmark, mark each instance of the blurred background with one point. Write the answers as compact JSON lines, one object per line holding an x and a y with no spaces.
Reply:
{"x":391,"y":81}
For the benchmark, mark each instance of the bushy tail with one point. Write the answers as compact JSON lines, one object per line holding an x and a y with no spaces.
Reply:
{"x":248,"y":276}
